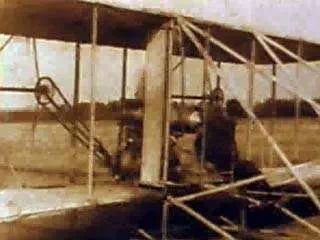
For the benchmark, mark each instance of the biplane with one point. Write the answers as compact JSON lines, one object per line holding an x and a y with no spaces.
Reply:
{"x":117,"y":206}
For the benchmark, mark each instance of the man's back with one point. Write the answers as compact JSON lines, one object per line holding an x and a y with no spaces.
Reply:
{"x":220,"y":145}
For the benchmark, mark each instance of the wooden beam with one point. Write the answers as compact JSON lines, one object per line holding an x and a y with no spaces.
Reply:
{"x":37,"y":75}
{"x":94,"y":36}
{"x":206,"y":79}
{"x":178,"y":64}
{"x":76,"y":90}
{"x":145,"y":235}
{"x":292,"y":54}
{"x":221,"y":189}
{"x":273,"y":110}
{"x":277,"y":194}
{"x":251,"y":98}
{"x":218,"y":83}
{"x":167,"y":95}
{"x":298,"y":219}
{"x":156,"y":107}
{"x":295,"y":217}
{"x":165,"y":220}
{"x":182,"y":70}
{"x":6,"y":43}
{"x":124,"y":74}
{"x":243,"y":218}
{"x":215,"y":41}
{"x":35,"y":56}
{"x":298,"y":104}
{"x":188,"y":97}
{"x":121,"y":132}
{"x":200,"y":218}
{"x":229,"y":222}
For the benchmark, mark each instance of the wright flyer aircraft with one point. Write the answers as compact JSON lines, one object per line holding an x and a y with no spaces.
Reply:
{"x":168,"y":185}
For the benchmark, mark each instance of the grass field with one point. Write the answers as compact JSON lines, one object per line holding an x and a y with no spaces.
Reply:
{"x":300,"y":147}
{"x":51,"y":148}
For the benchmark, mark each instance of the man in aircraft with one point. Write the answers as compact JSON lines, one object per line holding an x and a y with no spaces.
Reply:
{"x":219,"y":145}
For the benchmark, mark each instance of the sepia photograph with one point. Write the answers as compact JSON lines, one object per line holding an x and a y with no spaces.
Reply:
{"x":159,"y":119}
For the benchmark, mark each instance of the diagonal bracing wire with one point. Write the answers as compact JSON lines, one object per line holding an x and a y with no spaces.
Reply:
{"x":275,"y":58}
{"x":200,"y":218}
{"x":250,"y":113}
{"x":6,"y":43}
{"x":291,"y":54}
{"x":293,"y":216}
{"x":242,"y":59}
{"x":35,"y":56}
{"x":37,"y":73}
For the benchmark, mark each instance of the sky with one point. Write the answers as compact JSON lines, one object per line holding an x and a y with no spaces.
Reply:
{"x":294,"y":18}
{"x":56,"y":59}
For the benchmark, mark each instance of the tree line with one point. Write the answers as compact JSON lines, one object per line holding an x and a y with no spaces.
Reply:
{"x":112,"y":110}
{"x":82,"y":111}
{"x":270,"y":107}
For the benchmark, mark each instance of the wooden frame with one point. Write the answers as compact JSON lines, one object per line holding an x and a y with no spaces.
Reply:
{"x":178,"y":201}
{"x":270,"y":139}
{"x":187,"y":28}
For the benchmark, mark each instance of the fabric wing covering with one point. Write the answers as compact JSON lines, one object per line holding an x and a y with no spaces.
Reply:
{"x":70,"y":20}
